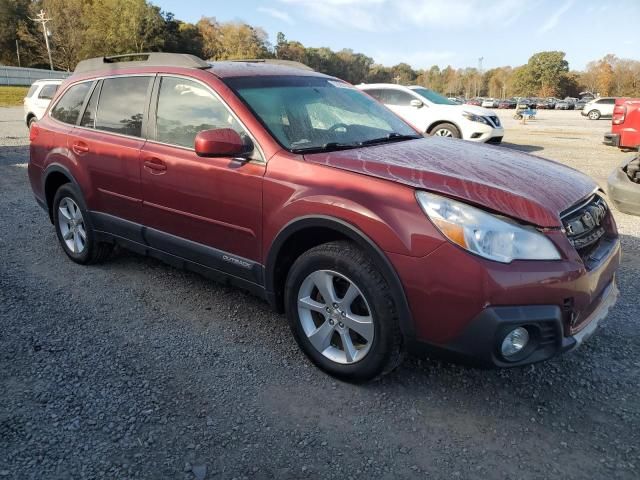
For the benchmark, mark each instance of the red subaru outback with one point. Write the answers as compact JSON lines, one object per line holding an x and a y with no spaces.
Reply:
{"x":304,"y":190}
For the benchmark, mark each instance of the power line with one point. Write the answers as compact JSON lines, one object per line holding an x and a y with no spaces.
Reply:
{"x":41,"y":18}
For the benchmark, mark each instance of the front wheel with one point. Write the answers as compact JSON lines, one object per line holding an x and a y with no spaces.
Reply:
{"x":446,"y":130}
{"x":341,"y":312}
{"x":594,"y":115}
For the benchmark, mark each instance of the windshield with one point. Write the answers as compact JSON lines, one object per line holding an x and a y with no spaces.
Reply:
{"x":432,"y":96}
{"x":307,"y":113}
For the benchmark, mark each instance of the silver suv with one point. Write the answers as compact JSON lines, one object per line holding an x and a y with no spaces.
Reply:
{"x":599,"y":108}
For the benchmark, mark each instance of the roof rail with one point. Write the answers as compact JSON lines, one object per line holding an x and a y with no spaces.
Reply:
{"x":276,"y":61}
{"x":150,"y":59}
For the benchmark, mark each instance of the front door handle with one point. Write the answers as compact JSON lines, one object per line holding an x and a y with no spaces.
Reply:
{"x":155,"y":166}
{"x":80,"y":148}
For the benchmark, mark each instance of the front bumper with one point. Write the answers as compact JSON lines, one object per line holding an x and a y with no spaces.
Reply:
{"x":624,"y":193}
{"x":479,"y":132}
{"x":463,"y":306}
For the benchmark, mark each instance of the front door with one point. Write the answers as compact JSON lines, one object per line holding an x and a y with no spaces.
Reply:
{"x":207,"y":210}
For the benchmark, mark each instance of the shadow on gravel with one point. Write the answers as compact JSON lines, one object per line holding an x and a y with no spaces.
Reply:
{"x":522,"y":148}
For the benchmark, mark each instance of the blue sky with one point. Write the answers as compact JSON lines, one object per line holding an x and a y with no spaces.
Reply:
{"x":442,"y":32}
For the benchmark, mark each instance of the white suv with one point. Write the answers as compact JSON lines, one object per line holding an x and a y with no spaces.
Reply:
{"x":38,"y":98}
{"x":434,"y":114}
{"x":599,"y":108}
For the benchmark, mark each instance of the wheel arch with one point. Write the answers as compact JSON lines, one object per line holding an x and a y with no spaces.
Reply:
{"x":303,"y":233}
{"x":54,"y":177}
{"x":435,"y":123}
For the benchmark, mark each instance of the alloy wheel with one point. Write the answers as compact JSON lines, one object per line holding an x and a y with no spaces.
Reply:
{"x":71,"y":225}
{"x":335,"y":316}
{"x":443,"y":132}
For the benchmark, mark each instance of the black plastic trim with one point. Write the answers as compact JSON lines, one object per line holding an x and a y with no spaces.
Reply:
{"x":353,"y":233}
{"x":184,"y":250}
{"x":480,"y":342}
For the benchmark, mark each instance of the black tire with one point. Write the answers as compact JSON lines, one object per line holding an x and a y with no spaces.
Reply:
{"x":455,"y":133}
{"x":345,"y":258}
{"x":94,"y":251}
{"x":594,"y":114}
{"x":31,"y":121}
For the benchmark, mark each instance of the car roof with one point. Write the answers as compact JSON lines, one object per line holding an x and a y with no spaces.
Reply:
{"x":257,"y":68}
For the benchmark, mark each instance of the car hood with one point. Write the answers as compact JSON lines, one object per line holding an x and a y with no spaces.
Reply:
{"x":522,"y":186}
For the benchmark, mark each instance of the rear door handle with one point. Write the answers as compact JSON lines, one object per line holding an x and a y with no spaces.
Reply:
{"x":155,"y":166}
{"x":80,"y":148}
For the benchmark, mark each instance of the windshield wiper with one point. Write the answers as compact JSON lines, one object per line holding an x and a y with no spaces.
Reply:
{"x":392,"y":137}
{"x":330,"y":146}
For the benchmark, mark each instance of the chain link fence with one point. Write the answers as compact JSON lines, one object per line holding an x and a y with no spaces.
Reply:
{"x":26,"y":76}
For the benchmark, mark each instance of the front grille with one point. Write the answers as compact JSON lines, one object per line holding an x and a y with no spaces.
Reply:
{"x":585,"y":226}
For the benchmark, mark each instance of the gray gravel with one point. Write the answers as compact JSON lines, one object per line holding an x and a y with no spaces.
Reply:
{"x":133,"y":369}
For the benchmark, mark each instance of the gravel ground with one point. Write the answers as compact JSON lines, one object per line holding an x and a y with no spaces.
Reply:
{"x":133,"y":369}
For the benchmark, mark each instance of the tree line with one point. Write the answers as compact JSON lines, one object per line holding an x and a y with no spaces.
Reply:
{"x":81,"y":29}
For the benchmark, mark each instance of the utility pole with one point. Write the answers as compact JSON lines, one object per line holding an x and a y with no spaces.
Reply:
{"x":41,"y":18}
{"x":18,"y":52}
{"x":479,"y":73}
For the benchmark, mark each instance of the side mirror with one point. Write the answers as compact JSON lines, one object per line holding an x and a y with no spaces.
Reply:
{"x":221,"y":142}
{"x":416,"y":103}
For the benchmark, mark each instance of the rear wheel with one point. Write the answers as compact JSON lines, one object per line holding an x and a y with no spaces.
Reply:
{"x":341,"y":312}
{"x":446,"y":130}
{"x":73,"y":227}
{"x":31,"y":121}
{"x":594,"y":115}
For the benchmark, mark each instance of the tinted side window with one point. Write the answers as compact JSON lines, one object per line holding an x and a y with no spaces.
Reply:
{"x":32,"y":90}
{"x":377,"y":94}
{"x":68,"y":107}
{"x":397,"y":97}
{"x":121,"y":105}
{"x":89,"y":115}
{"x":186,"y":108}
{"x":47,"y":92}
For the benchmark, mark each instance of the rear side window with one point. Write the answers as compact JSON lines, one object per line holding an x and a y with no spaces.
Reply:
{"x":398,"y":97}
{"x":186,"y":108}
{"x":67,"y":109}
{"x":121,"y":106}
{"x":607,"y":101}
{"x":48,"y":91}
{"x":377,"y":94}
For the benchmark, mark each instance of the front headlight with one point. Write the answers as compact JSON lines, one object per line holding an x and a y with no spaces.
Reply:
{"x":484,"y":234}
{"x":474,"y":118}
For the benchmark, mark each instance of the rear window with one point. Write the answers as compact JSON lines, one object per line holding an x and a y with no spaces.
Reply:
{"x":32,"y":90}
{"x":121,"y":105}
{"x":48,"y":91}
{"x":67,"y":109}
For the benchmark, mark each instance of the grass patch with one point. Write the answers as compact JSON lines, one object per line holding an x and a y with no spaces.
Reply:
{"x":11,"y":96}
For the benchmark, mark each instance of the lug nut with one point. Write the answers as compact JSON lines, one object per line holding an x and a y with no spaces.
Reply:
{"x":328,"y":310}
{"x":344,"y":314}
{"x":335,"y":305}
{"x":341,"y":325}
{"x":331,"y":322}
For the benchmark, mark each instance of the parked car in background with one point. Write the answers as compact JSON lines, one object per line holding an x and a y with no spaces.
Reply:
{"x":433,"y":114}
{"x":579,"y":105}
{"x":526,"y":103}
{"x":564,"y":105}
{"x":300,"y":188}
{"x":599,"y":108}
{"x":625,"y":124}
{"x":624,"y":186}
{"x":545,"y":104}
{"x":489,"y":103}
{"x":508,"y":103}
{"x":38,"y":98}
{"x":476,"y":102}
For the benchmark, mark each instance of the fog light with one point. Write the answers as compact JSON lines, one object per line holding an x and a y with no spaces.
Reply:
{"x":515,"y":341}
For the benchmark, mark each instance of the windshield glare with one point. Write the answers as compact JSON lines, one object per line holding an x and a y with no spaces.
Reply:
{"x":306,"y":112}
{"x":432,"y":96}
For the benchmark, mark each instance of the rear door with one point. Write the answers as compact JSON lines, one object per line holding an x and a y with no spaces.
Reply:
{"x":606,"y":106}
{"x":108,"y":140}
{"x":208,"y":210}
